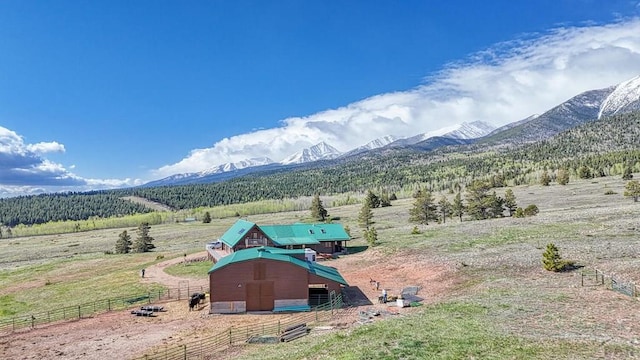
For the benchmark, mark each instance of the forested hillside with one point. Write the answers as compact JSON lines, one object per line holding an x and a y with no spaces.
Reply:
{"x":69,"y":206}
{"x":604,"y":147}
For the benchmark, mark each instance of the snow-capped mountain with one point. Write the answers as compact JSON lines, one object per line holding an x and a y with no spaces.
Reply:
{"x":582,"y":108}
{"x":576,"y":111}
{"x":373,"y":144}
{"x":321,"y":151}
{"x":624,"y":98}
{"x":237,"y":165}
{"x":472,"y":130}
{"x":464,"y":131}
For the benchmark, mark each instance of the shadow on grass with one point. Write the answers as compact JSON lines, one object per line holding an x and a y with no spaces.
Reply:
{"x":357,"y":249}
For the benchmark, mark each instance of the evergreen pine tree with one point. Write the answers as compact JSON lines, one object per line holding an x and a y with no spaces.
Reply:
{"x":584,"y":172}
{"x":444,"y":207}
{"x":545,"y":179}
{"x":366,"y":214}
{"x":424,"y":209}
{"x":143,"y":242}
{"x":478,"y":201}
{"x":123,"y":244}
{"x":496,"y":208}
{"x":372,"y":199}
{"x":510,"y":201}
{"x":207,"y":218}
{"x":458,"y":207}
{"x":318,"y":212}
{"x":371,"y":235}
{"x":551,"y":258}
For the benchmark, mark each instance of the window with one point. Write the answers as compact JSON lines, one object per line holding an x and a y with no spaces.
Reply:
{"x":323,"y":231}
{"x":311,"y":231}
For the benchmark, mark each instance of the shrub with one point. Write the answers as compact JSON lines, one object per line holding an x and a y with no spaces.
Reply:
{"x":551,"y":260}
{"x":610,"y":192}
{"x":531,"y":210}
{"x":415,"y":231}
{"x":519,"y":213}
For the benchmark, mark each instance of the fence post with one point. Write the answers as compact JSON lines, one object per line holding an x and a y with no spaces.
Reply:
{"x":149,"y":298}
{"x":184,"y":353}
{"x":229,"y":336}
{"x":108,"y":304}
{"x":278,"y":326}
{"x":79,"y":315}
{"x":14,"y":324}
{"x":582,"y":279}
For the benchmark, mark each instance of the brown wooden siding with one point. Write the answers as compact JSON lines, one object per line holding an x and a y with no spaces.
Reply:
{"x":230,"y":282}
{"x":253,"y":238}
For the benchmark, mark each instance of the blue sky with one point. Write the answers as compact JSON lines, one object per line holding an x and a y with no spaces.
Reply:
{"x":100,"y":94}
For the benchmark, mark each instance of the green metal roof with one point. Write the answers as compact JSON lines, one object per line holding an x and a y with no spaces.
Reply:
{"x":265,"y":252}
{"x":311,"y":232}
{"x":282,"y":235}
{"x":236,"y":232}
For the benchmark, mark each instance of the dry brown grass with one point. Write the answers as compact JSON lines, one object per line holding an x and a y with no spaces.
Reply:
{"x":495,"y":264}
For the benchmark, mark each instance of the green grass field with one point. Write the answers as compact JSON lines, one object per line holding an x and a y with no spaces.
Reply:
{"x":503,"y":306}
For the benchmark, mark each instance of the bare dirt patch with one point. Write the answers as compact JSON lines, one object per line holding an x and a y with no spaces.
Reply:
{"x":122,"y":335}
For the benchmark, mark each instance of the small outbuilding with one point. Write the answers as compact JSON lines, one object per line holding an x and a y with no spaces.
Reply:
{"x":270,"y":279}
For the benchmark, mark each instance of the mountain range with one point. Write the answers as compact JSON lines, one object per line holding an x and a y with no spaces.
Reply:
{"x":584,"y":107}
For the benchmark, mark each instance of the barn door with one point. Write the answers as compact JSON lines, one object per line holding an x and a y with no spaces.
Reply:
{"x":253,"y":296}
{"x":266,"y":295}
{"x":260,"y":296}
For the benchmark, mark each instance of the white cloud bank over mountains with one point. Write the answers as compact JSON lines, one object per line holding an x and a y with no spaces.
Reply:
{"x":505,"y":83}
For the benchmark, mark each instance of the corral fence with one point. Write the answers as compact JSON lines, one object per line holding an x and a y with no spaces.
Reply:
{"x":268,"y":332}
{"x":30,"y":321}
{"x":597,"y":277}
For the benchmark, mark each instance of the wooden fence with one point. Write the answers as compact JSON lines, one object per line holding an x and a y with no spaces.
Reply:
{"x":204,"y":349}
{"x":599,"y":278}
{"x":30,"y":321}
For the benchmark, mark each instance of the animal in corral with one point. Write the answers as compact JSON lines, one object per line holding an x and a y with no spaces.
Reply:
{"x":199,"y":296}
{"x":193,"y":301}
{"x":196,"y":298}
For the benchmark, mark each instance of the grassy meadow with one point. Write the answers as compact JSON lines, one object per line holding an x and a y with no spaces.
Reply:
{"x":503,"y":304}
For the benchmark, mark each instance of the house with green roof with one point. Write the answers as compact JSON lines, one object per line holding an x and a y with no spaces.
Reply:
{"x":266,"y":278}
{"x":322,"y":238}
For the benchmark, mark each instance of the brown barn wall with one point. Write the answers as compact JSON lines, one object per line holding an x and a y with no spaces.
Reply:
{"x":331,"y":285}
{"x":290,"y":281}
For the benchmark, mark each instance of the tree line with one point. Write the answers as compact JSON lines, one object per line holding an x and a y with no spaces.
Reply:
{"x":605,"y":147}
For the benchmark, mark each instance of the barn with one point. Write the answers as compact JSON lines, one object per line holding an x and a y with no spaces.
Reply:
{"x":321,"y":237}
{"x":270,"y":279}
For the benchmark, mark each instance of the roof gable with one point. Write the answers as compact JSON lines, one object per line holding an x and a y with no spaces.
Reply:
{"x":236,"y":232}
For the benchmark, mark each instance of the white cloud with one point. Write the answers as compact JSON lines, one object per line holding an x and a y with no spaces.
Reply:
{"x":505,"y":83}
{"x":24,"y":171}
{"x":46,"y":147}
